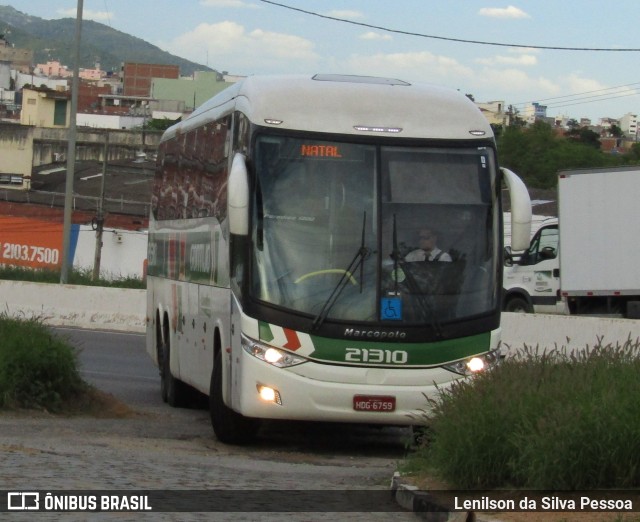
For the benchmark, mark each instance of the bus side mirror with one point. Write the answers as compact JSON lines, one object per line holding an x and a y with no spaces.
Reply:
{"x":520,"y":210}
{"x":238,"y":197}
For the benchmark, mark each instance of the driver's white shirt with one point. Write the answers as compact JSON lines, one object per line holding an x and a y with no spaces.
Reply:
{"x":421,"y":255}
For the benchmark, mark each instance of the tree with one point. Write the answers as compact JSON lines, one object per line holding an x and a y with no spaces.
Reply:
{"x":584,"y":135}
{"x":160,"y":124}
{"x":572,"y":124}
{"x":513,"y":117}
{"x":537,"y":153}
{"x":634,"y":153}
{"x":615,"y":131}
{"x":497,"y":129}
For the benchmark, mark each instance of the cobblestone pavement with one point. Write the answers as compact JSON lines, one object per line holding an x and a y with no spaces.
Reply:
{"x":160,"y":448}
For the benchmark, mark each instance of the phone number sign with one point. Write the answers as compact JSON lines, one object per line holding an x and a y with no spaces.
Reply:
{"x":30,"y":243}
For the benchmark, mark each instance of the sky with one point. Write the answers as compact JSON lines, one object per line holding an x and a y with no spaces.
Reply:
{"x":428,"y":41}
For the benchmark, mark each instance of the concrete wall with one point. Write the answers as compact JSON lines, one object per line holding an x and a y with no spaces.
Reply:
{"x":72,"y":305}
{"x":123,"y":252}
{"x":110,"y":121}
{"x":23,"y":147}
{"x":125,"y":310}
{"x":16,"y":149}
{"x":545,"y":331}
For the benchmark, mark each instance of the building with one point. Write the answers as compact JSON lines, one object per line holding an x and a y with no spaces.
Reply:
{"x":44,"y":107}
{"x":16,"y":151}
{"x":53,"y":69}
{"x":89,"y":96}
{"x":629,"y":125}
{"x":494,"y":112}
{"x":20,"y":59}
{"x":193,"y":92}
{"x":137,"y":77}
{"x":22,"y":79}
{"x":606,"y":123}
{"x":534,"y":112}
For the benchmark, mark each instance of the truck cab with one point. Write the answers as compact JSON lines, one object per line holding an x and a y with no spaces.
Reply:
{"x":531,"y":280}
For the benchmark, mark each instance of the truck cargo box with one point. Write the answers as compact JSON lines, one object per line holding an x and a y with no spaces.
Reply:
{"x":599,"y":212}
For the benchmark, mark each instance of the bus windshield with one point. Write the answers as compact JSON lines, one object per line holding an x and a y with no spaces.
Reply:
{"x":374,"y":234}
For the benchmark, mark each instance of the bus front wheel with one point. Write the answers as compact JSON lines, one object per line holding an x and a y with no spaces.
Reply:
{"x":229,"y":426}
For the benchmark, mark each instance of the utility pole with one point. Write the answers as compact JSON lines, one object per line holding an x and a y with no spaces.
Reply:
{"x":100,"y":217}
{"x":71,"y":152}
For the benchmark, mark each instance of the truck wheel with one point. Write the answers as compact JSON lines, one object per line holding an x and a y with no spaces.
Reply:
{"x":229,"y":426}
{"x":518,"y":304}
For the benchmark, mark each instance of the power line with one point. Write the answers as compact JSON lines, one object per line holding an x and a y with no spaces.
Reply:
{"x":108,"y":13}
{"x":458,"y":40}
{"x":587,"y":100}
{"x":580,"y":94}
{"x":584,"y":97}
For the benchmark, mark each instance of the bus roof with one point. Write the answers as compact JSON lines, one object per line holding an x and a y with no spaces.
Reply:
{"x":356,"y":105}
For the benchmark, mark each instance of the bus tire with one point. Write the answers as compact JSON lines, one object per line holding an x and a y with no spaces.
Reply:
{"x":174,"y":391}
{"x":229,"y":426}
{"x":518,"y":304}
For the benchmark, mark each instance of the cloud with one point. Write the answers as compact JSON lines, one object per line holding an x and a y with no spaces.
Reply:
{"x":228,"y":45}
{"x":228,"y":3}
{"x":503,"y":12}
{"x":526,"y":60}
{"x":579,"y":84}
{"x":421,"y":66}
{"x":371,"y":35}
{"x":96,"y":16}
{"x":517,"y":83}
{"x":282,"y":45}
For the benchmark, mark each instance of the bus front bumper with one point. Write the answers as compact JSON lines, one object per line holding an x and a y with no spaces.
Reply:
{"x":333,"y":393}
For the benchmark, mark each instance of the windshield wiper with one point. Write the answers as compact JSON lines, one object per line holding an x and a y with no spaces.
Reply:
{"x":425,"y":303}
{"x":357,"y":261}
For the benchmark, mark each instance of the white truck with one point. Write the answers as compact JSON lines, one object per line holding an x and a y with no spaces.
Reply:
{"x":587,"y":261}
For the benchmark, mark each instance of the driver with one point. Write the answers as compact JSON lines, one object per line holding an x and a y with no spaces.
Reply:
{"x":427,"y":251}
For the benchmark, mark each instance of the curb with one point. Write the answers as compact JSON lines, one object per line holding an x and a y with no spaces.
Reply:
{"x":423,"y":503}
{"x":426,"y":506}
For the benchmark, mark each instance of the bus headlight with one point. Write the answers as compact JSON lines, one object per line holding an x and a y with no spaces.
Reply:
{"x":476,"y":364}
{"x":269,"y":354}
{"x":268,"y":394}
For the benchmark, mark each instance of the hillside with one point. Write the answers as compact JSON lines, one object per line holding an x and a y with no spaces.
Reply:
{"x":53,"y":40}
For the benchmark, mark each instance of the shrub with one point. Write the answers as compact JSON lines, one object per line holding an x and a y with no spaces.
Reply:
{"x":37,"y":369}
{"x":75,"y":277}
{"x":553,"y":420}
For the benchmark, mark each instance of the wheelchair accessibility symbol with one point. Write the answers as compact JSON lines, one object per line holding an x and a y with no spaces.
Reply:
{"x":391,"y":309}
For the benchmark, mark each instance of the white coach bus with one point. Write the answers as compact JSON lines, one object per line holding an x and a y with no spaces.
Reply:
{"x":289,"y":243}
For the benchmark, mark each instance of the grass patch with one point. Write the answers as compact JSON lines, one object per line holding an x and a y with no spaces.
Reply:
{"x":38,"y":370}
{"x":75,"y":277}
{"x":552,"y":420}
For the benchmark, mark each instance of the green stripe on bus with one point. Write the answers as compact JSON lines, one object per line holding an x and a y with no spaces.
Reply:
{"x":265,"y":332}
{"x":399,"y":354}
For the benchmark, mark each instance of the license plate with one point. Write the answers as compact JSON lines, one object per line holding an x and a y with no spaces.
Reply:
{"x":375,"y":403}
